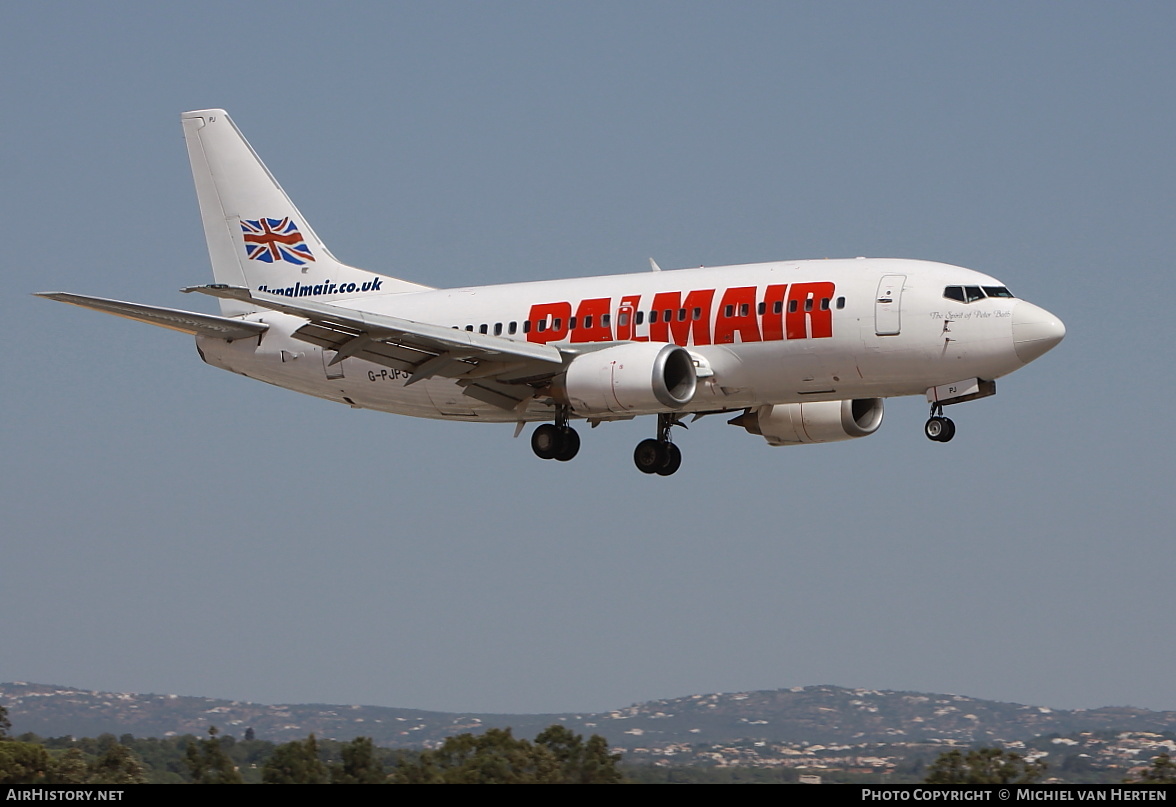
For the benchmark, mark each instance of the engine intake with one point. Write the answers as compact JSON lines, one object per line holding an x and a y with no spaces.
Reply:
{"x":813,"y":421}
{"x":633,"y":378}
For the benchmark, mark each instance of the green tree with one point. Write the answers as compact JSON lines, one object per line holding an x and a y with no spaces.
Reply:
{"x":581,"y":763}
{"x":24,"y":763}
{"x":360,"y":765}
{"x":119,"y":766}
{"x":5,"y":723}
{"x":1161,"y":772}
{"x":496,"y":757}
{"x":983,"y":766}
{"x":208,"y":764}
{"x":71,"y":768}
{"x":295,"y":763}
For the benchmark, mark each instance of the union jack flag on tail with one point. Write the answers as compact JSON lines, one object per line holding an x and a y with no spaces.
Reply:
{"x":271,"y":240}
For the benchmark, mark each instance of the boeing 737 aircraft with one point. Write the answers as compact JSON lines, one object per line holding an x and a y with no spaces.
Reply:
{"x":795,"y":351}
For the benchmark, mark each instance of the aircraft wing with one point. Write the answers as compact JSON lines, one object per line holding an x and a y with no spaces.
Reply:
{"x":184,"y":321}
{"x":492,"y":369}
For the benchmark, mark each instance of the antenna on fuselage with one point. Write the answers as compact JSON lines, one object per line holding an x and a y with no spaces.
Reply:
{"x":653,"y":267}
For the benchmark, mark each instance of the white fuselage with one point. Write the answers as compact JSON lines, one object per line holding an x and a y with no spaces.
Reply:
{"x":800,"y":351}
{"x":767,"y":333}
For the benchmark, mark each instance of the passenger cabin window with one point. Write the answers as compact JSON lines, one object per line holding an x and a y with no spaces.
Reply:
{"x":512,"y":328}
{"x":481,"y":329}
{"x":498,"y":329}
{"x":840,"y":303}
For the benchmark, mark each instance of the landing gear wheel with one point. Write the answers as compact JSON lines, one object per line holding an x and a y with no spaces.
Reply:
{"x":948,"y":430}
{"x":545,"y":441}
{"x":649,"y":456}
{"x":551,"y":442}
{"x":673,"y":459}
{"x":932,"y":428}
{"x":656,"y":457}
{"x":569,"y":444}
{"x":939,"y":429}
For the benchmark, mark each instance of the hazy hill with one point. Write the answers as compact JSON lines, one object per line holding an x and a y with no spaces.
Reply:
{"x":818,"y":714}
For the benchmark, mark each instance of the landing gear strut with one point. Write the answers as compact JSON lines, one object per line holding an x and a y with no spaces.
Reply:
{"x":939,"y":428}
{"x":557,"y":441}
{"x":659,"y":456}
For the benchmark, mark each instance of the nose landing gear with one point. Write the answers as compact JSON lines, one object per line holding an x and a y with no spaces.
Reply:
{"x":937,"y":427}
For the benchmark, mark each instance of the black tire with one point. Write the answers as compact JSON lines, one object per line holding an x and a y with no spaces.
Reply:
{"x":545,"y":441}
{"x":934,"y":428}
{"x":569,"y":444}
{"x":948,"y":430}
{"x":673,"y":460}
{"x":649,"y":456}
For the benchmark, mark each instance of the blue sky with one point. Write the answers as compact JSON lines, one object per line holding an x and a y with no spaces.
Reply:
{"x":173,"y":528}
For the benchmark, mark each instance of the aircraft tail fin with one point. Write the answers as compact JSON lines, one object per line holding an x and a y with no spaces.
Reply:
{"x":256,"y":237}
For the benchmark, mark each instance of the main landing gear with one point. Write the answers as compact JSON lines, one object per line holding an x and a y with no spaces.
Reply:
{"x":939,"y":428}
{"x":659,"y":456}
{"x":557,"y":441}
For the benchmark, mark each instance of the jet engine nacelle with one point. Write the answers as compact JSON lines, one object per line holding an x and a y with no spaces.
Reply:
{"x":637,"y":377}
{"x":813,"y":421}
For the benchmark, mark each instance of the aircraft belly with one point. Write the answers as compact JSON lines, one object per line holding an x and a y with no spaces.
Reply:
{"x":777,"y":372}
{"x":450,"y":400}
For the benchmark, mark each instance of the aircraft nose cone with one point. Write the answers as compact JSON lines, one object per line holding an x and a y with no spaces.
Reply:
{"x":1035,"y":331}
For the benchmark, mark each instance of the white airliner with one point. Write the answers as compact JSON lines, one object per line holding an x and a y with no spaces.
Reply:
{"x":798,"y":351}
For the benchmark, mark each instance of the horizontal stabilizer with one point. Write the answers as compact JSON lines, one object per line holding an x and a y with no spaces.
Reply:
{"x":175,"y":319}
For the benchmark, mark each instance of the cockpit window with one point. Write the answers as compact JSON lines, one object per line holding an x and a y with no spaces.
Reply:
{"x":998,"y":291}
{"x":970,"y":294}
